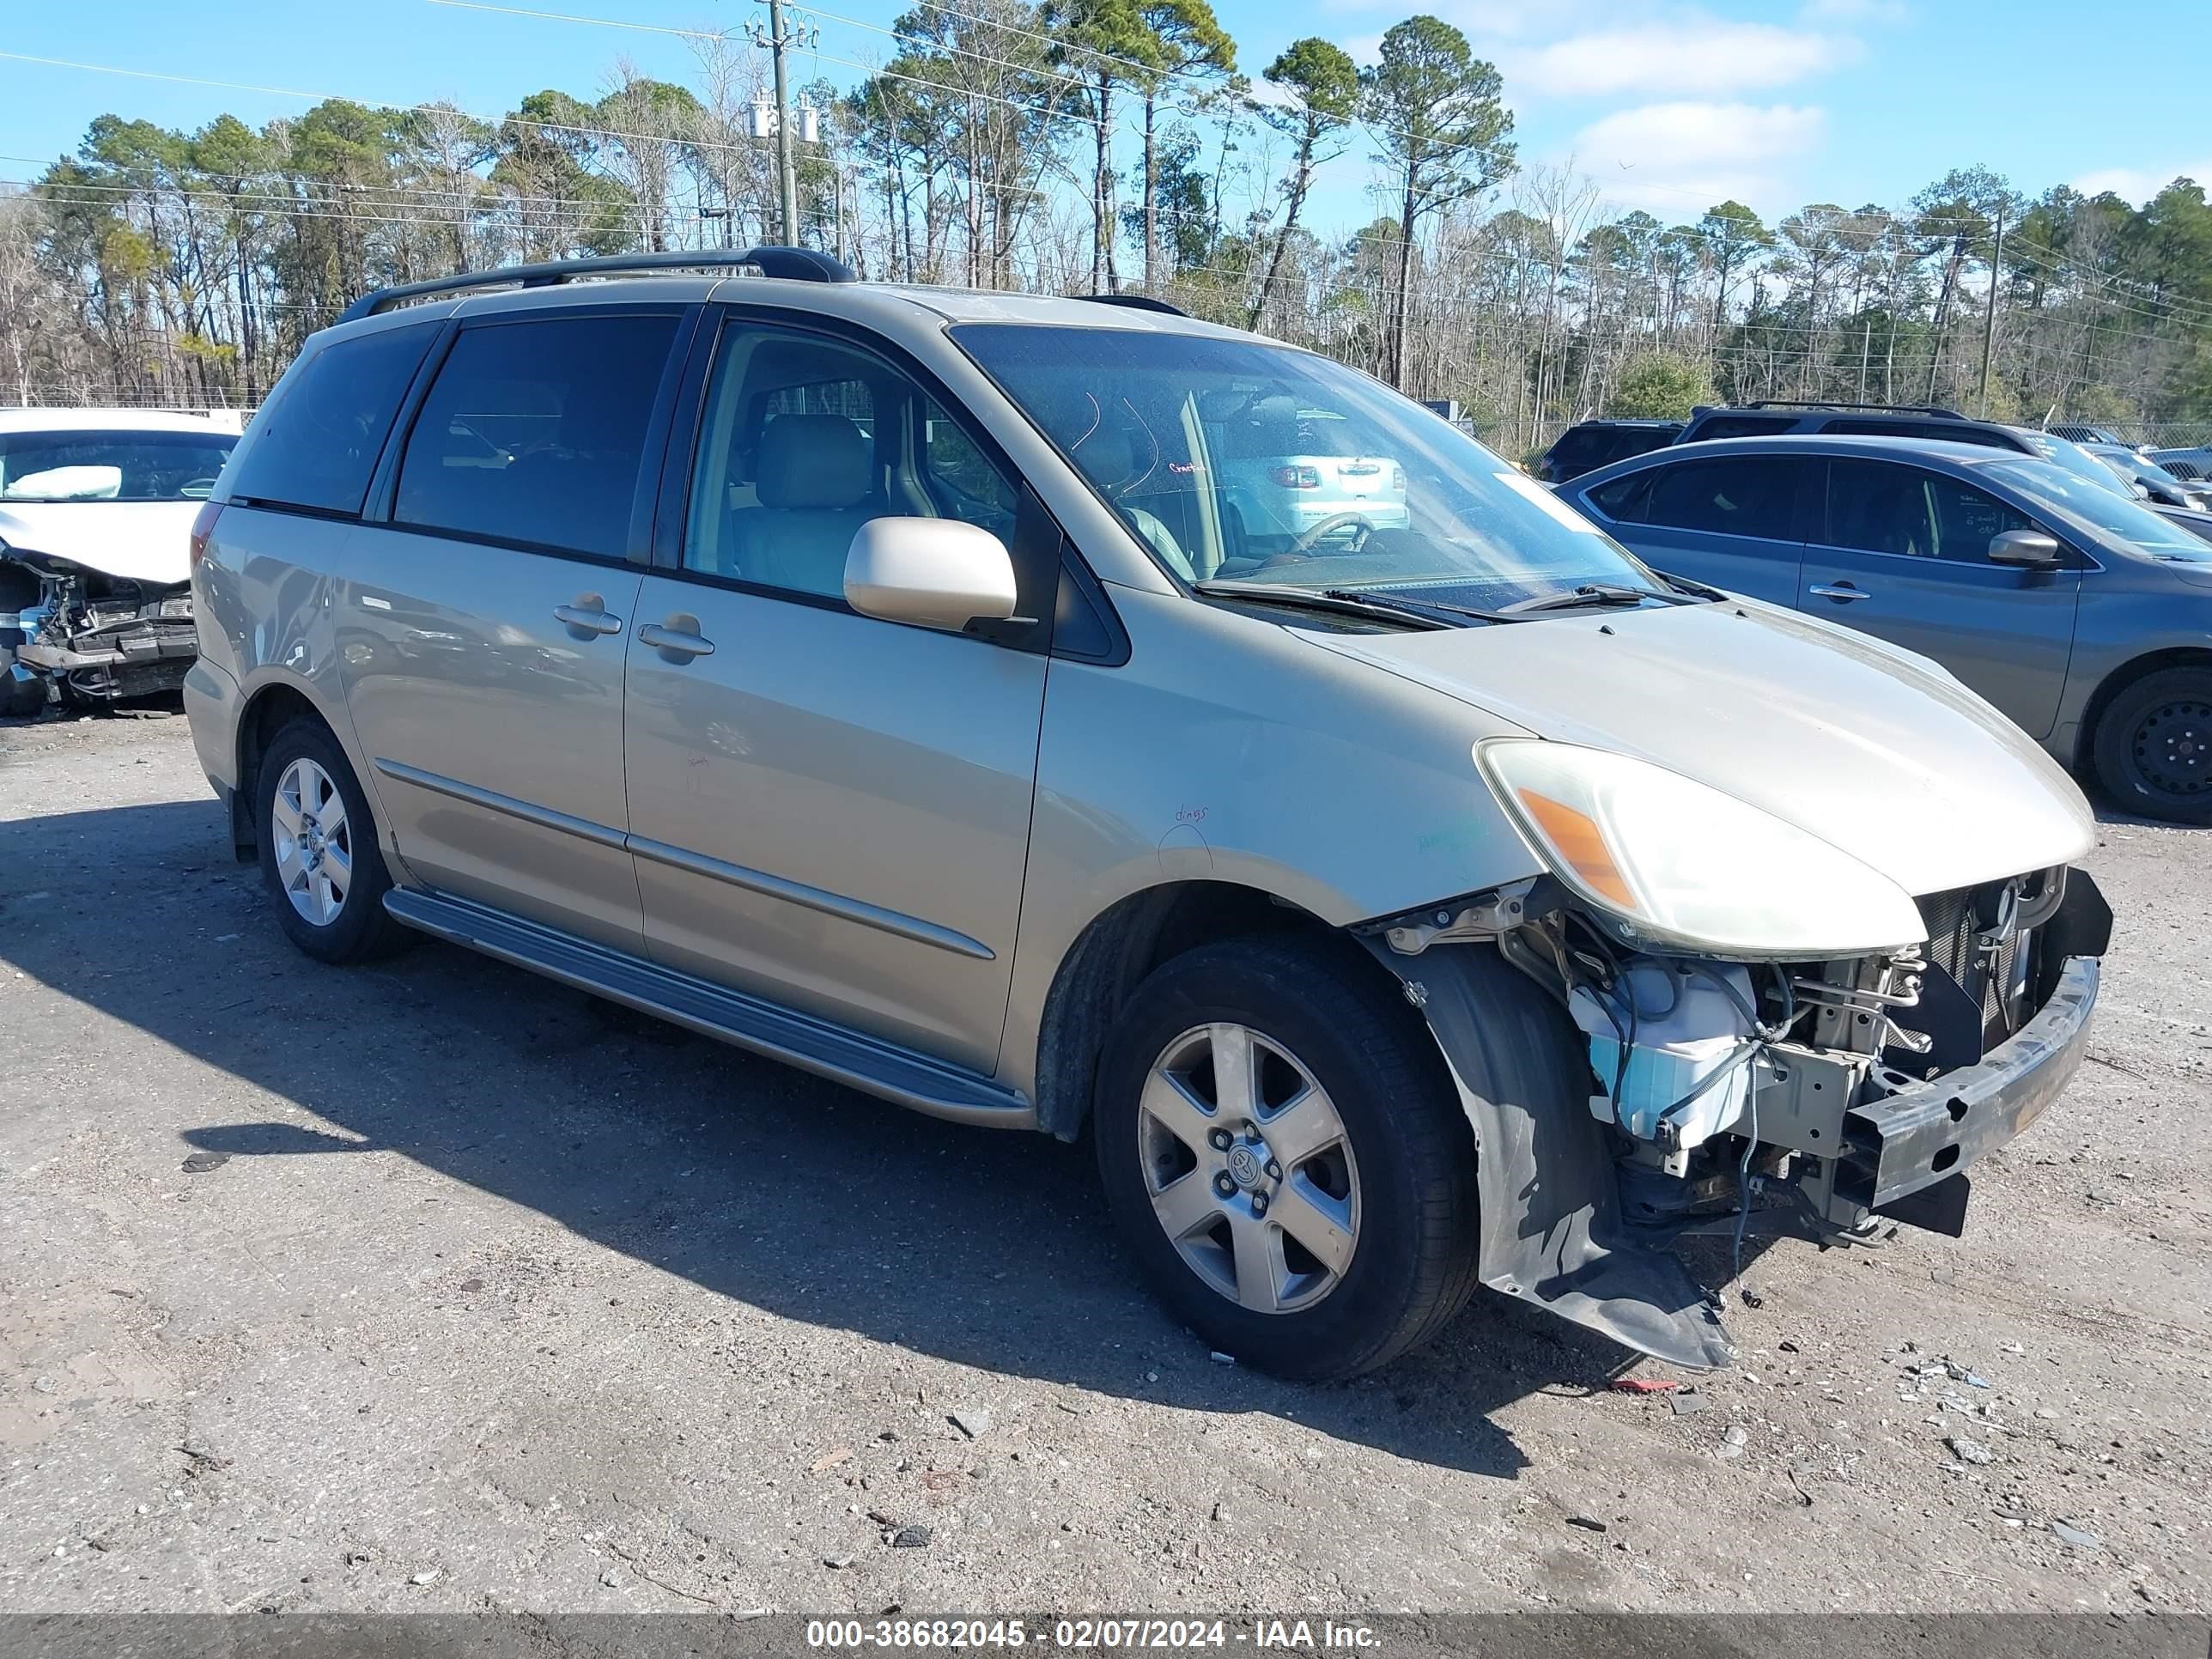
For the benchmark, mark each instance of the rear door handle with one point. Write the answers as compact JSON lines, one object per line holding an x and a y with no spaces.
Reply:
{"x":588,"y":618}
{"x":1841,"y":591}
{"x":677,"y":639}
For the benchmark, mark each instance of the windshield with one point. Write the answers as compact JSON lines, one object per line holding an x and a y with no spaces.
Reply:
{"x":111,"y":466}
{"x":2078,"y":461}
{"x":1237,"y":461}
{"x":2110,"y":515}
{"x":2131,"y":465}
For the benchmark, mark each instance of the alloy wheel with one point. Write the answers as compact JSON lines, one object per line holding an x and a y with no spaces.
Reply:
{"x":1248,"y":1168}
{"x":313,"y":841}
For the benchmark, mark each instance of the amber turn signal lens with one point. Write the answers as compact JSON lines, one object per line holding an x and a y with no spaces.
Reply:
{"x":1577,"y":839}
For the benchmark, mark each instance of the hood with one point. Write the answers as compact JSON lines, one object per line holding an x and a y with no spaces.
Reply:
{"x":139,"y":541}
{"x":1875,"y":750}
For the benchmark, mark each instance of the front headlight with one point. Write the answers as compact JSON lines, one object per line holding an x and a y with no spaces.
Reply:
{"x":1676,"y":863}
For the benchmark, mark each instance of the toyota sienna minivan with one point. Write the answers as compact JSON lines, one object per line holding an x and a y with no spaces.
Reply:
{"x":873,"y":677}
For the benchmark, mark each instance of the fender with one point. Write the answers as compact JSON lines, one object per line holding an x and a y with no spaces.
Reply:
{"x":1552,"y":1232}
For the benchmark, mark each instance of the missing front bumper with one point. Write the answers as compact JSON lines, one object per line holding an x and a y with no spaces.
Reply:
{"x":1553,"y":1230}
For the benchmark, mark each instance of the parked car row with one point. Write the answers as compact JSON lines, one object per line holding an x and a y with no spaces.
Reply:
{"x":1075,"y":717}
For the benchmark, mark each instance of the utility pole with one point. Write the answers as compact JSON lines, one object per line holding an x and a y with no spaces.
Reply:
{"x":1990,"y":317}
{"x":776,"y":42}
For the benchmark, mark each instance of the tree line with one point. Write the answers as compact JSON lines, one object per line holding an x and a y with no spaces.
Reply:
{"x":1084,"y":146}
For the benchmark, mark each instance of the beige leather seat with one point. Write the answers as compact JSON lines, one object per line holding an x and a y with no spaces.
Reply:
{"x":815,"y":481}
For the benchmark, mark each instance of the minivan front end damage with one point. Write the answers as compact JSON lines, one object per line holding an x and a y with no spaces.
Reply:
{"x":95,"y":636}
{"x":1823,"y":1099}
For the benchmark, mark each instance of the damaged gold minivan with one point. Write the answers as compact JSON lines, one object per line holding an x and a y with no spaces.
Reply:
{"x":900,"y":682}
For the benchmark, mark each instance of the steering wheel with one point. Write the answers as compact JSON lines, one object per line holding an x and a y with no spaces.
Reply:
{"x":197,"y":490}
{"x":1335,"y":521}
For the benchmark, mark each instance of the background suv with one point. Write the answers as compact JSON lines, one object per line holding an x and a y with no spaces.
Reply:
{"x":2074,"y":609}
{"x":1771,"y":418}
{"x":1588,"y":445}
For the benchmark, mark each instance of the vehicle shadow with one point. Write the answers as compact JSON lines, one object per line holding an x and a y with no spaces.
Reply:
{"x":757,"y":1182}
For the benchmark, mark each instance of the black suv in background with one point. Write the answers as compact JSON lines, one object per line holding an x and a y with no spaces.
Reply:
{"x":1775,"y":417}
{"x":1589,"y":445}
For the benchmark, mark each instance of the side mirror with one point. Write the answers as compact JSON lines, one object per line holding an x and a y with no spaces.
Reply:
{"x":2031,"y":550}
{"x":930,"y":572}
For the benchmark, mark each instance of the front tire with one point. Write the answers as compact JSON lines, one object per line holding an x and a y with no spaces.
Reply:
{"x":2153,"y":747}
{"x":319,"y":859}
{"x":1285,"y":1157}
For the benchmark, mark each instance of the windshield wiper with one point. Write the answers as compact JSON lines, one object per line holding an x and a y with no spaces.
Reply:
{"x":1342,"y":601}
{"x":1413,"y":607}
{"x":1588,"y":595}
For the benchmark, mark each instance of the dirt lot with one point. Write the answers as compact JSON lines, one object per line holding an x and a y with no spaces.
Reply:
{"x":501,"y":1298}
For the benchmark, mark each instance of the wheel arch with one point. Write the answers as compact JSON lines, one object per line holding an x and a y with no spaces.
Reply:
{"x":2110,"y":688}
{"x":267,"y":710}
{"x":1124,"y":943}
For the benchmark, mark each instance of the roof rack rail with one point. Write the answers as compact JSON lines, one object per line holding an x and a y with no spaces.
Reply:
{"x":1135,"y":302}
{"x":1832,"y":402}
{"x":792,"y":264}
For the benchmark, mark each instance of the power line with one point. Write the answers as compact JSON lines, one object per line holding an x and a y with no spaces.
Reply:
{"x":404,"y":109}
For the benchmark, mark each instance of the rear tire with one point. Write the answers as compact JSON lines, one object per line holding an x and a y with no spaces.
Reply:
{"x":1315,"y":1245}
{"x":2152,"y":746}
{"x":320,"y":858}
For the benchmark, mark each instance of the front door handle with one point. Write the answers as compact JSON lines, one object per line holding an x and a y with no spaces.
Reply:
{"x":677,"y":639}
{"x":588,"y":618}
{"x":1841,"y":591}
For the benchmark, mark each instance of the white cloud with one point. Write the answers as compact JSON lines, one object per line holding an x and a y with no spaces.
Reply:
{"x":2139,"y":184}
{"x":1677,"y":158}
{"x":1693,"y":56}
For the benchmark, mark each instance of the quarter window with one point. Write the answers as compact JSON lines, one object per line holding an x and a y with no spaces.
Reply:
{"x":1625,"y":501}
{"x":1744,"y":495}
{"x":1876,"y":508}
{"x":316,"y":444}
{"x":534,"y":433}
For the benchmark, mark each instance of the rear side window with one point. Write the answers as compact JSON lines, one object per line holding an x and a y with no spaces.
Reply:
{"x":1741,"y":426}
{"x":315,"y":446}
{"x":1580,"y":449}
{"x":534,"y":433}
{"x":1743,"y":495}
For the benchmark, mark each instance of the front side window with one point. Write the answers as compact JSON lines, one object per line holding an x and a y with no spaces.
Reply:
{"x":1233,"y":460}
{"x":316,"y":444}
{"x":1878,"y":508}
{"x":807,"y":438}
{"x":110,"y":466}
{"x":534,"y":433}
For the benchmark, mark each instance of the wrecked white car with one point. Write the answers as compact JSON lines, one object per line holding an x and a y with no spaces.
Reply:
{"x":95,"y":512}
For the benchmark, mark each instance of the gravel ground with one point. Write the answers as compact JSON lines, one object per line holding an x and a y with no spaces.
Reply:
{"x":500,"y":1298}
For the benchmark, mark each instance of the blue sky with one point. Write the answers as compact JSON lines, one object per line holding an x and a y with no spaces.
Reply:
{"x":1668,"y":106}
